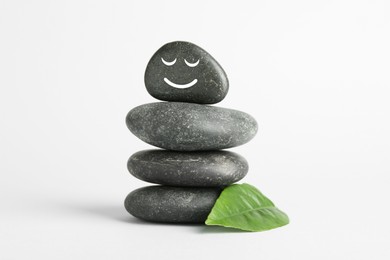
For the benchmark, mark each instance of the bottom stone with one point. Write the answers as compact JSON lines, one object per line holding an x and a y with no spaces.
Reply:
{"x":172,"y":204}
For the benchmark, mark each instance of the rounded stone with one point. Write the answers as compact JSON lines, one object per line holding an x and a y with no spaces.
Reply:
{"x":192,"y":169}
{"x":182,"y":71}
{"x":190,"y":127}
{"x":172,"y":204}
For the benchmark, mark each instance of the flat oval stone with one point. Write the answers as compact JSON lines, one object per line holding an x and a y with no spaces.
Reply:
{"x":182,"y":71}
{"x":193,"y":169}
{"x":190,"y":127}
{"x":172,"y":204}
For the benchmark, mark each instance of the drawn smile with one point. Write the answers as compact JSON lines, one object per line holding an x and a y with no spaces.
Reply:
{"x":188,"y":85}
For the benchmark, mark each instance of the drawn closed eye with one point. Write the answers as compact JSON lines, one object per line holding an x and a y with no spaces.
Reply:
{"x":168,"y":63}
{"x":189,"y":64}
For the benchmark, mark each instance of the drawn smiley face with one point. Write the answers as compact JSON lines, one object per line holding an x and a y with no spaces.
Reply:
{"x":184,"y":72}
{"x":189,"y":64}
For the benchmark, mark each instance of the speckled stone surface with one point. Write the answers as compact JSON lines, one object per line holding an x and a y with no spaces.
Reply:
{"x":182,"y":71}
{"x":172,"y":204}
{"x":190,"y":127}
{"x":196,"y":169}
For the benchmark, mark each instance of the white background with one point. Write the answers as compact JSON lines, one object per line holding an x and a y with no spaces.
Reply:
{"x":315,"y":75}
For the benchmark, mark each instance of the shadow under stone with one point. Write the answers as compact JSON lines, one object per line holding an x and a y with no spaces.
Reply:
{"x":218,"y":229}
{"x":119,"y":213}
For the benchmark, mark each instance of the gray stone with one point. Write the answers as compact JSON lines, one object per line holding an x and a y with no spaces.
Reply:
{"x":190,"y":127}
{"x":172,"y":204}
{"x":196,"y":169}
{"x":182,"y":71}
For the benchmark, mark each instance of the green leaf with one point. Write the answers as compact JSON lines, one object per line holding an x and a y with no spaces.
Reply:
{"x":244,"y":207}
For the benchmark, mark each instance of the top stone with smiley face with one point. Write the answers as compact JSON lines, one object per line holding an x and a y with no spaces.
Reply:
{"x":183,"y":72}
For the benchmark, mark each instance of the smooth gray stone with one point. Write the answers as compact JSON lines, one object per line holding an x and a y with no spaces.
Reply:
{"x":172,"y":204}
{"x":174,"y":74}
{"x":191,"y":169}
{"x":190,"y":127}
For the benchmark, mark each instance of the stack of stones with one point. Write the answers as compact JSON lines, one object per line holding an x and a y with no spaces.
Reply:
{"x":192,"y":170}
